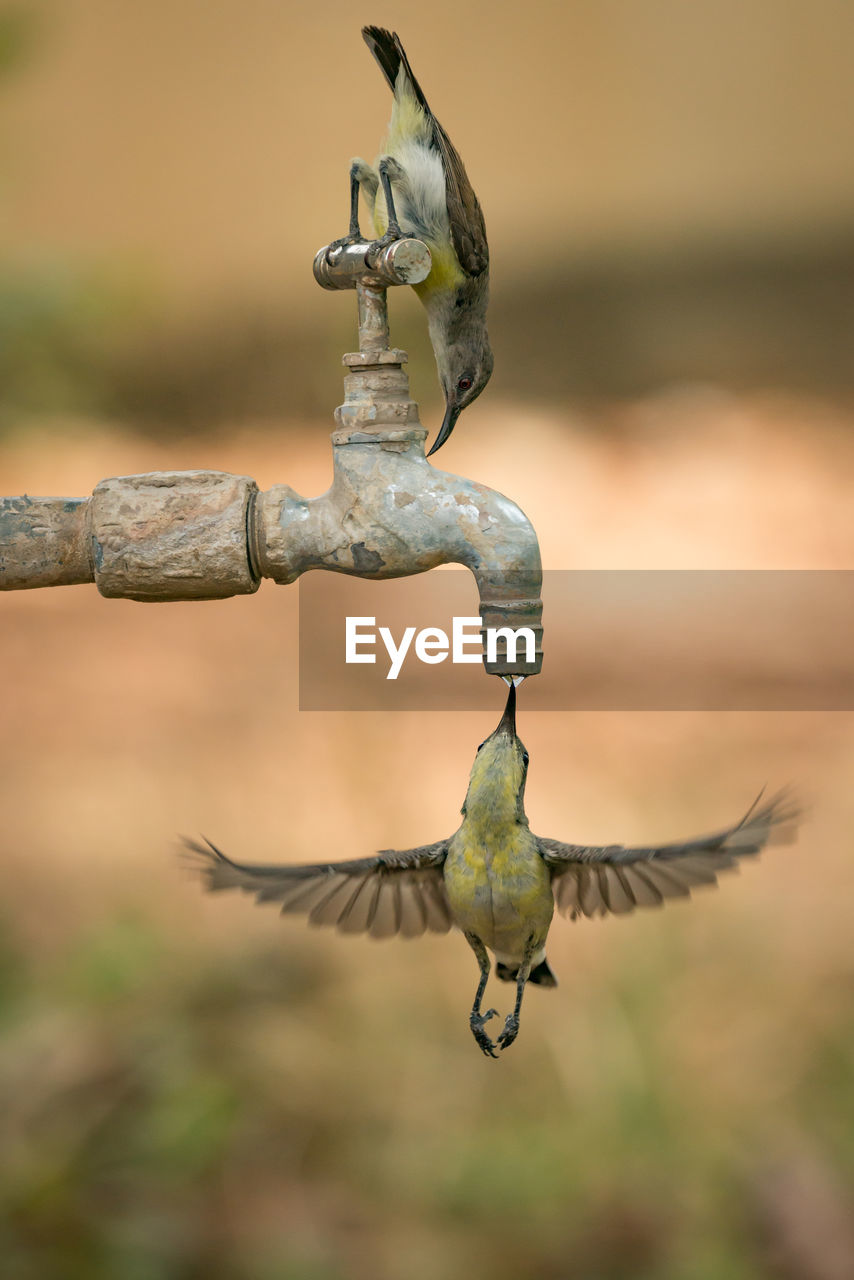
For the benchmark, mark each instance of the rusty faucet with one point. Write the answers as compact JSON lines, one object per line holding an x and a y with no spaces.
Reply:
{"x":195,"y":535}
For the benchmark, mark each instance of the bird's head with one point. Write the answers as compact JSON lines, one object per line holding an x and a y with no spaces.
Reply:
{"x":497,"y":781}
{"x":464,"y":360}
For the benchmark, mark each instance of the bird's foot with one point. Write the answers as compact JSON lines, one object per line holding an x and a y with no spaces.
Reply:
{"x":343,"y":242}
{"x":394,"y":233}
{"x":510,"y":1032}
{"x":476,"y":1022}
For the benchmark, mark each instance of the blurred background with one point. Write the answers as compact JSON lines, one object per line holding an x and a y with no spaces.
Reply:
{"x":193,"y":1087}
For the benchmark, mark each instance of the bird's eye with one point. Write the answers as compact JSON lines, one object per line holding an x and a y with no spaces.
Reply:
{"x":465,"y":383}
{"x":525,"y":758}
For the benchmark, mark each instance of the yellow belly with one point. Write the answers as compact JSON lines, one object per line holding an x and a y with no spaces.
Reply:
{"x":445,"y":273}
{"x":500,"y":890}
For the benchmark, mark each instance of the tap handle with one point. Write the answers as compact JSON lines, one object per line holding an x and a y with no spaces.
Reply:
{"x":372,"y":263}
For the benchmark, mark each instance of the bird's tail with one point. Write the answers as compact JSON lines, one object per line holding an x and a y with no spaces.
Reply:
{"x":391,"y":56}
{"x":541,"y":975}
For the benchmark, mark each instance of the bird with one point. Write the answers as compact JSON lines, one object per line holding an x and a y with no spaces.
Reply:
{"x":420,"y":188}
{"x":495,"y":880}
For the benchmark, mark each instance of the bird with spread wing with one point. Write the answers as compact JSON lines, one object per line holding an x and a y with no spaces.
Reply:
{"x":495,"y":880}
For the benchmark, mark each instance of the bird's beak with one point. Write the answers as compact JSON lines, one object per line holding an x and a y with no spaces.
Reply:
{"x":452,"y":412}
{"x":507,"y":723}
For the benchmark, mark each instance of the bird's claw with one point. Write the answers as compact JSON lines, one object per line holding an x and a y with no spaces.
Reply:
{"x":510,"y":1032}
{"x":476,"y":1022}
{"x":383,"y":242}
{"x":343,"y":242}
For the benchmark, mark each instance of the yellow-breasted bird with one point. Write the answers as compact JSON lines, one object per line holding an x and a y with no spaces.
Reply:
{"x":495,"y":880}
{"x":420,"y":188}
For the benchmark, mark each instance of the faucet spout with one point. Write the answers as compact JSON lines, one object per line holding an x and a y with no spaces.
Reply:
{"x":390,"y":514}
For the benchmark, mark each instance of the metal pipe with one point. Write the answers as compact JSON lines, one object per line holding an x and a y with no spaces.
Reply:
{"x":44,"y":542}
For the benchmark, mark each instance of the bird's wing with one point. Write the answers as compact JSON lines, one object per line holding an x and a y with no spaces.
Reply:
{"x":396,"y":891}
{"x":593,"y":881}
{"x":468,"y":230}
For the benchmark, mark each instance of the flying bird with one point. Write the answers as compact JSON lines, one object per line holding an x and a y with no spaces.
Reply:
{"x":420,"y":188}
{"x":495,"y":880}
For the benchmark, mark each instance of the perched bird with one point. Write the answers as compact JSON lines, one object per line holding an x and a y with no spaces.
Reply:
{"x":420,"y":188}
{"x":494,"y":879}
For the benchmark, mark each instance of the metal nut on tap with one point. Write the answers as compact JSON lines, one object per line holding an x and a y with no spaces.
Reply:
{"x":517,"y":624}
{"x":372,"y":263}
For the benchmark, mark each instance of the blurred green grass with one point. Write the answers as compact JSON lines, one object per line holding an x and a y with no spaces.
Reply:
{"x":176,"y":1109}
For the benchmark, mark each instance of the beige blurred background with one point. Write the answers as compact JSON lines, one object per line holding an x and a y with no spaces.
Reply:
{"x":196,"y":1088}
